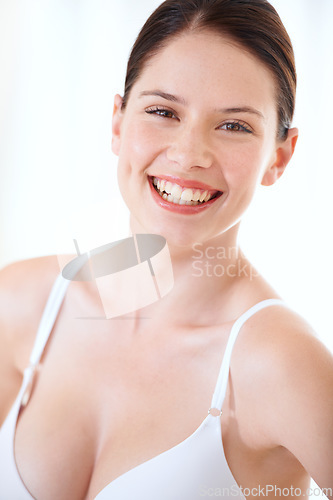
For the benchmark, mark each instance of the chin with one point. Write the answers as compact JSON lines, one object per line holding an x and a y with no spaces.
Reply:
{"x":177,"y":237}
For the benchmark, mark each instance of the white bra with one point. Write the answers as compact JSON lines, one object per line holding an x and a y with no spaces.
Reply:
{"x":194,"y":469}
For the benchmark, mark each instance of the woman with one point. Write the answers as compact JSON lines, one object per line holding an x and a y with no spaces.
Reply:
{"x":118,"y":409}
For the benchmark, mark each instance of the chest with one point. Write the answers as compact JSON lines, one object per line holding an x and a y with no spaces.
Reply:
{"x":99,"y":409}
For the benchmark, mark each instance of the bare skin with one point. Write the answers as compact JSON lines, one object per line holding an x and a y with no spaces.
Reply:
{"x":112,"y":394}
{"x":101,"y":373}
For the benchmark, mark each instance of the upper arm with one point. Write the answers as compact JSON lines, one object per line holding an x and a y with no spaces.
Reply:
{"x":296,"y":399}
{"x":9,"y":375}
{"x":304,"y":401}
{"x":24,"y":286}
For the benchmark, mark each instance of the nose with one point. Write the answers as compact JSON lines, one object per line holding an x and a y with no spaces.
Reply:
{"x":190,"y":148}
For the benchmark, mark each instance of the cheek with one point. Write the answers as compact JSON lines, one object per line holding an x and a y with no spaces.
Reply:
{"x":139,"y":147}
{"x":242,"y":167}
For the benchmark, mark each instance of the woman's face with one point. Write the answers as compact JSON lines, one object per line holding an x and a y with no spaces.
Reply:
{"x":200,"y":122}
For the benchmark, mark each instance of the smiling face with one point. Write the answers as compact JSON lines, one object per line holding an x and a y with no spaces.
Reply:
{"x":197,"y":136}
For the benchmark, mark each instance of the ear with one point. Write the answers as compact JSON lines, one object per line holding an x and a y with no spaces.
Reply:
{"x":116,"y":124}
{"x":284,"y":151}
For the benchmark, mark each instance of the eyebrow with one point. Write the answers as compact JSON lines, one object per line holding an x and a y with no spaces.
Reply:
{"x":181,"y":100}
{"x":164,"y":95}
{"x":242,"y":109}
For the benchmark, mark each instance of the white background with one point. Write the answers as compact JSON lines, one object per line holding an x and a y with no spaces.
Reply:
{"x":61,"y":62}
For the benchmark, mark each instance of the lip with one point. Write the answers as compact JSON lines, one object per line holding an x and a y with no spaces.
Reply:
{"x":180,"y":209}
{"x":187,"y":183}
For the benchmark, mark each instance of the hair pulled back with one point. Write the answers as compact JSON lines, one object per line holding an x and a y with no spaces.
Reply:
{"x":252,"y":24}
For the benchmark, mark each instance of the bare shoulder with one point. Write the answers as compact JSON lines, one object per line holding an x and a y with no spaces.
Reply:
{"x":278,"y":348}
{"x":284,"y":339}
{"x":281,"y":332}
{"x":283,"y":374}
{"x":24,"y":288}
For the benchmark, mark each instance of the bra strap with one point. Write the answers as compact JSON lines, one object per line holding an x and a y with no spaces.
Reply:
{"x":222,"y":381}
{"x":48,"y":318}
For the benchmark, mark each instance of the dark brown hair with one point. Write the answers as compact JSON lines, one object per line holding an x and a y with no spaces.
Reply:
{"x":253,"y":24}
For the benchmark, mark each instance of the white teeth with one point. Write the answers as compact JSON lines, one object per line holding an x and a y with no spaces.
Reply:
{"x":168,"y":187}
{"x":176,"y":191}
{"x":187,"y":195}
{"x":203,"y":196}
{"x":196,"y":195}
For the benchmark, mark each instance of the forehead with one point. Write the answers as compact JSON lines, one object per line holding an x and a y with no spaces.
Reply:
{"x":205,"y":64}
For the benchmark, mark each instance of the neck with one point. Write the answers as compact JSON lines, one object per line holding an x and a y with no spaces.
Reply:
{"x":206,"y":277}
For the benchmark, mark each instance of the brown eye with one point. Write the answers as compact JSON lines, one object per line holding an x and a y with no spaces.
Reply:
{"x":235,"y":127}
{"x":164,"y":113}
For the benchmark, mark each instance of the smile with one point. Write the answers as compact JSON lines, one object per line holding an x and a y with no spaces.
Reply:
{"x":179,"y":195}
